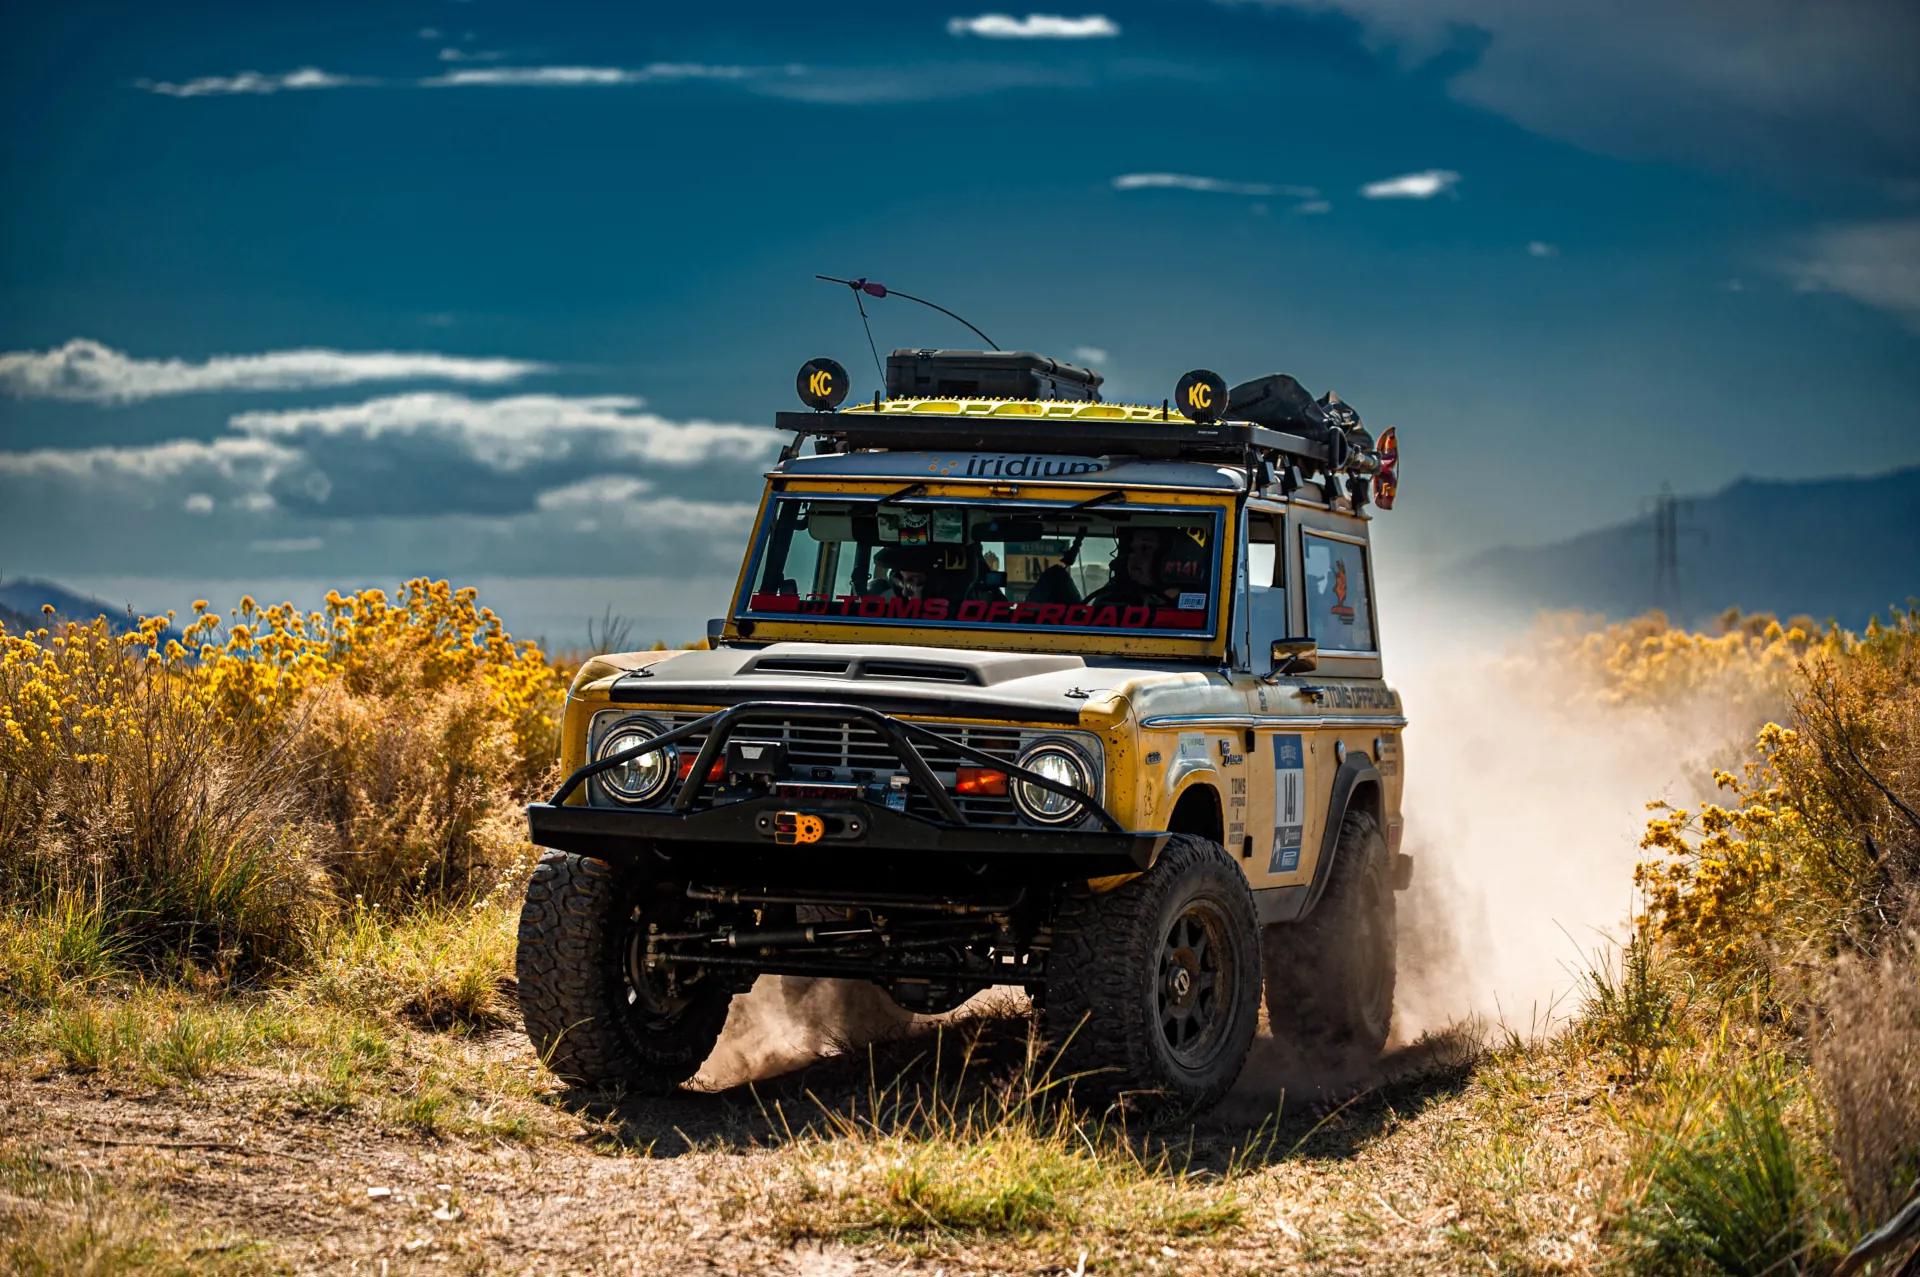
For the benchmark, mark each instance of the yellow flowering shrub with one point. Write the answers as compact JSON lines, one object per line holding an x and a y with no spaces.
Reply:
{"x":1715,"y":879}
{"x":1818,"y":846}
{"x":212,"y":789}
{"x":1744,"y":661}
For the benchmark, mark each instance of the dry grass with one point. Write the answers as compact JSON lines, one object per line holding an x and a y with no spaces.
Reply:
{"x":952,"y":1148}
{"x":440,"y":968}
{"x":1866,"y":1062}
{"x":56,"y":1223}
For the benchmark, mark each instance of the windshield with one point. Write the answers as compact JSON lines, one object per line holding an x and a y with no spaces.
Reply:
{"x":1097,"y":566}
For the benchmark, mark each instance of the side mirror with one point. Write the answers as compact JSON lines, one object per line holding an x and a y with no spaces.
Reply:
{"x":1294,"y":656}
{"x":716,"y":625}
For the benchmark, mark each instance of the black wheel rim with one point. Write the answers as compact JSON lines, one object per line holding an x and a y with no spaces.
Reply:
{"x":652,"y":999}
{"x":1193,"y":993}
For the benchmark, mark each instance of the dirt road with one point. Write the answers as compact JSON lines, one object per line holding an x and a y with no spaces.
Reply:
{"x":1440,"y":1158}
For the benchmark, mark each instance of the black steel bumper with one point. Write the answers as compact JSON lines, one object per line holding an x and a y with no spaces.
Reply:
{"x":855,"y":831}
{"x":751,"y":828}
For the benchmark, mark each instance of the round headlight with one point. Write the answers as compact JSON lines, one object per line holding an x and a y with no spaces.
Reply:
{"x":641,"y":779}
{"x":1059,"y":762}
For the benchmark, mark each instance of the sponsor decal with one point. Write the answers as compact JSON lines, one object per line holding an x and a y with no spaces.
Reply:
{"x":906,"y":526}
{"x":1289,"y":802}
{"x":1341,"y":608}
{"x":877,"y":607}
{"x":1023,"y":466}
{"x":1359,"y":696}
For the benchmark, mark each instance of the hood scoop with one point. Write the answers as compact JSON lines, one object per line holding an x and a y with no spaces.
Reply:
{"x":903,"y":665}
{"x":864,"y":667}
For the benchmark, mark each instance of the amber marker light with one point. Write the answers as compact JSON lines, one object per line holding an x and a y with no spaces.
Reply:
{"x":979,"y":782}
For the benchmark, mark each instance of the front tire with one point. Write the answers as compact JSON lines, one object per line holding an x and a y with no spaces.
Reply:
{"x":594,"y":1014}
{"x":1330,"y":977}
{"x":1152,"y":989}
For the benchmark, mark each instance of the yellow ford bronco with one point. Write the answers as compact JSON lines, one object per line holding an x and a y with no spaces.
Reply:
{"x":1017,"y":687}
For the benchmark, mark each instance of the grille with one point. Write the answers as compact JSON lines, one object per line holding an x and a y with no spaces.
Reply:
{"x":840,"y":751}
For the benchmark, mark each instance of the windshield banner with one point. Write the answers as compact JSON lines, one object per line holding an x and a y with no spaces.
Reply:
{"x":986,"y":612}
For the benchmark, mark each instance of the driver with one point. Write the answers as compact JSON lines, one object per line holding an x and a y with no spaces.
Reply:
{"x":1150,"y":566}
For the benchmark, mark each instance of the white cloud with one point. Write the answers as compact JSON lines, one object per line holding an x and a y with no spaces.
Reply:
{"x":1035,"y":26}
{"x":1874,"y":263}
{"x":257,"y":83}
{"x":588,"y":76}
{"x":1412,"y":186}
{"x":1208,"y":185}
{"x":1748,"y":84}
{"x":601,"y":489}
{"x":287,"y":545}
{"x":515,"y":432}
{"x":418,"y":457}
{"x":1540,"y":248}
{"x":1090,"y":354}
{"x":920,"y":82}
{"x":188,"y":467}
{"x":253,"y":82}
{"x":1313,"y":207}
{"x":428,"y":33}
{"x":88,"y":370}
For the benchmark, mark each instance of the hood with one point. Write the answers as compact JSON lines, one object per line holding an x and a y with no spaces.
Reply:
{"x":1019,"y":686}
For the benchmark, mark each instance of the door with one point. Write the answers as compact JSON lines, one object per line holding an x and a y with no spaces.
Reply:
{"x":1285,"y":774}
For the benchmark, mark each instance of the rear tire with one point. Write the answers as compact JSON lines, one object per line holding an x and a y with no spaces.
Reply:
{"x":1330,"y":977}
{"x":595,"y":1018}
{"x":1152,"y":989}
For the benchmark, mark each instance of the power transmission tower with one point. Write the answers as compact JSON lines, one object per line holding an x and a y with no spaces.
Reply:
{"x":1666,"y":512}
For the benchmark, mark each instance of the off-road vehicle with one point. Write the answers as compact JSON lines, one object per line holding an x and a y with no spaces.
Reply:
{"x":1017,"y":687}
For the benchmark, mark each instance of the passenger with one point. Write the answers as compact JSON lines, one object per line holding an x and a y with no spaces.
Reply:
{"x":906,"y":569}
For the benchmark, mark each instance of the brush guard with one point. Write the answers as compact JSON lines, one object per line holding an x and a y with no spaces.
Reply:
{"x":848,"y":822}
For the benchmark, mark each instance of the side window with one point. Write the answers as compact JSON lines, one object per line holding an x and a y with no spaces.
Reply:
{"x":1339,"y":602}
{"x":1266,"y":580}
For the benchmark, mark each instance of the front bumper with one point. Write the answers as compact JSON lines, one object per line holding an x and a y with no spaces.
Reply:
{"x":844,"y":834}
{"x":855,"y":832}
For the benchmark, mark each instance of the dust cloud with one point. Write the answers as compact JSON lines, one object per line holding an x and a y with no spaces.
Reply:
{"x":784,"y":1022}
{"x":1525,"y":801}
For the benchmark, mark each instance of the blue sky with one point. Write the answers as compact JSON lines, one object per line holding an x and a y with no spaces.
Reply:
{"x":296,"y":296}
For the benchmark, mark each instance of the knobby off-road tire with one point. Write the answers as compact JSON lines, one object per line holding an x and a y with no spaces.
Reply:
{"x":1330,"y":977}
{"x":1152,"y":989}
{"x":589,"y":1021}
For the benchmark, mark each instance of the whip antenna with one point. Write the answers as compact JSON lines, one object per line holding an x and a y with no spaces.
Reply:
{"x":873,"y":288}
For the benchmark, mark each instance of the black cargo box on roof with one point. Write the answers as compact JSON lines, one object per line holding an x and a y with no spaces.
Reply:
{"x":987,"y":374}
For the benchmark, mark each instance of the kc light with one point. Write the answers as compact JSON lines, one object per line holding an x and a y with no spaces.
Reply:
{"x":1059,"y":762}
{"x":641,"y":779}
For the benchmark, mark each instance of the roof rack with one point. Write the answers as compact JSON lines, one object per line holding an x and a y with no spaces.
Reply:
{"x":1080,"y":429}
{"x":1335,"y":445}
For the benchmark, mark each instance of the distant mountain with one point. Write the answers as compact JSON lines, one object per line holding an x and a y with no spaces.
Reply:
{"x":24,"y":597}
{"x":1841,"y":548}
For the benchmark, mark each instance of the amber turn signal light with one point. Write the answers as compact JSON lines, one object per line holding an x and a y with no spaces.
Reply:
{"x":975,"y":782}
